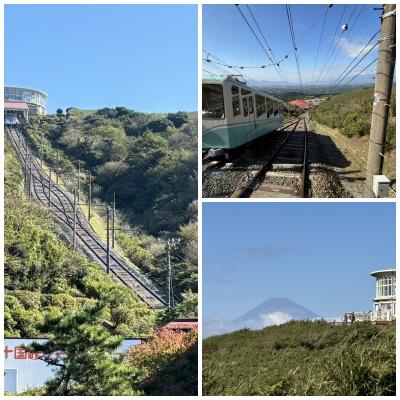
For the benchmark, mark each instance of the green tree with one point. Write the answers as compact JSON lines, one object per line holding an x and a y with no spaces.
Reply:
{"x":84,"y":354}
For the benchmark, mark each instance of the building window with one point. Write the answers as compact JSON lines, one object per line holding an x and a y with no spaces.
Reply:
{"x":386,"y":286}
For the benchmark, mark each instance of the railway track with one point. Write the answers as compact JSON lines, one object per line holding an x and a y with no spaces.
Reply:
{"x":284,"y":174}
{"x":61,"y":204}
{"x":272,"y":166}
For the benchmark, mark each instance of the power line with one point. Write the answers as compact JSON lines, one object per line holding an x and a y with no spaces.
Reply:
{"x":338,"y":80}
{"x":359,"y":73}
{"x":332,"y":58}
{"x":238,"y":66}
{"x":320,"y":39}
{"x":231,"y":67}
{"x":289,"y":16}
{"x":262,"y":46}
{"x":330,"y":47}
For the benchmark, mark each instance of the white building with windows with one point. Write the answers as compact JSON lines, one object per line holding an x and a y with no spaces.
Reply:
{"x":384,"y":302}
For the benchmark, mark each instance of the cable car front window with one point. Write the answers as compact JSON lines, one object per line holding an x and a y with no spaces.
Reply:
{"x":213,"y":102}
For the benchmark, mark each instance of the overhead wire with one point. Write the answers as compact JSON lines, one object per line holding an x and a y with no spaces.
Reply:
{"x":359,"y":73}
{"x":262,"y":46}
{"x":334,"y":51}
{"x":291,"y":27}
{"x":320,"y":40}
{"x":338,"y":80}
{"x":330,"y":47}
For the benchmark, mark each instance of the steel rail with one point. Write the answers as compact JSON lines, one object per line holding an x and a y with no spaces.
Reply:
{"x":248,"y":186}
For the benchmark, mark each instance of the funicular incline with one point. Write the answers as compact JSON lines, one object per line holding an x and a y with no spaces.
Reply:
{"x":61,"y":204}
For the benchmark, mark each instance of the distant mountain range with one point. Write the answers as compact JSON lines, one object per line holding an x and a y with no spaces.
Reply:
{"x":274,"y":311}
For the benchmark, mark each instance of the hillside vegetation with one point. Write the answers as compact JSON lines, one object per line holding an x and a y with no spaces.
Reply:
{"x":302,"y":358}
{"x":351,"y":112}
{"x":44,"y":279}
{"x":150,"y":162}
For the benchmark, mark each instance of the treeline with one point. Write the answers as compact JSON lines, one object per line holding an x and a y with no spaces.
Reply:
{"x":149,"y":160}
{"x":351,"y":113}
{"x":302,"y":358}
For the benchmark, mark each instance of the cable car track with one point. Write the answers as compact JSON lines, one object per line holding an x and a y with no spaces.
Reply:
{"x":222,"y":178}
{"x":62,"y":207}
{"x":284,"y":173}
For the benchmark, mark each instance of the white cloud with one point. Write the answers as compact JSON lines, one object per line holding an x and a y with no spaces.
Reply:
{"x":351,"y":49}
{"x":275,"y":318}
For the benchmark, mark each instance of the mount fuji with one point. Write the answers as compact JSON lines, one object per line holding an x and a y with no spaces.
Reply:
{"x":274,"y":311}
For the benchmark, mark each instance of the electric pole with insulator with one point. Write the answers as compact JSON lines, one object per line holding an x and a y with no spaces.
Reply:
{"x":74,"y":232}
{"x":169,"y":272}
{"x":113,"y":222}
{"x":382,"y":96}
{"x":49,"y":188}
{"x":90,"y":196}
{"x":108,"y":239}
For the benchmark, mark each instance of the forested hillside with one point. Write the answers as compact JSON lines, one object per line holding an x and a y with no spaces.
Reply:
{"x":302,"y":358}
{"x":351,"y":112}
{"x":44,"y":279}
{"x":150,"y":162}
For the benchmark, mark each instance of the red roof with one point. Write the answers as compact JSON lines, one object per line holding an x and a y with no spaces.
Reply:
{"x":182,"y":324}
{"x":300,"y":103}
{"x":10,"y":105}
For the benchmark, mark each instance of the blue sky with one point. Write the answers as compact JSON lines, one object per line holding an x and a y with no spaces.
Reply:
{"x":89,"y":56}
{"x":226,"y":35}
{"x":317,"y":254}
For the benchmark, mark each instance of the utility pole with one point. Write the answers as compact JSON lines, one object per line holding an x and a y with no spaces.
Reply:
{"x":30,"y":176}
{"x":382,"y":96}
{"x":50,"y":188}
{"x":79,"y":181}
{"x":108,"y":239}
{"x":113,"y":222}
{"x":58,"y":165}
{"x":90,"y":195}
{"x":74,"y":234}
{"x":169,"y":272}
{"x":41,"y":149}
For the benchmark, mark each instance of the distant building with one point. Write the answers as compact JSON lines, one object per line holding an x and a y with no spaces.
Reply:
{"x":182,"y":325}
{"x":22,"y":103}
{"x":303,"y":105}
{"x":384,"y":302}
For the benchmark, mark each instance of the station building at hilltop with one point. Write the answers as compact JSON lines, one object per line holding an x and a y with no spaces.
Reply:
{"x":21,"y":103}
{"x":384,"y":302}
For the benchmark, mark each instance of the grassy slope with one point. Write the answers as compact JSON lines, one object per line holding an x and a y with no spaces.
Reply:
{"x":351,"y":112}
{"x":301,"y":358}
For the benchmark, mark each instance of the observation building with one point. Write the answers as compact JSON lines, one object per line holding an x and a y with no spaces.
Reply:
{"x":22,"y":103}
{"x":384,"y":302}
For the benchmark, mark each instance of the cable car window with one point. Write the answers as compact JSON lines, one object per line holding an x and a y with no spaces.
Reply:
{"x":213,"y":102}
{"x":276,"y":107}
{"x":235,"y":89}
{"x":236,"y":105}
{"x":270,"y":107}
{"x":245,"y":107}
{"x":260,"y":105}
{"x":245,"y":92}
{"x":251,"y":105}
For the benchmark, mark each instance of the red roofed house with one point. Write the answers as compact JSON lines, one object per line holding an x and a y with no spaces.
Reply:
{"x":303,"y":105}
{"x":182,"y":325}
